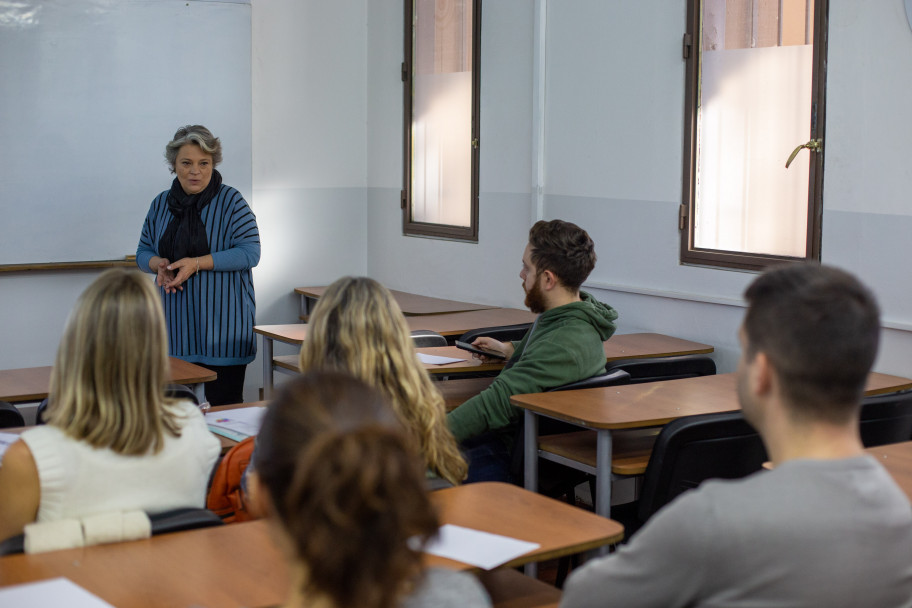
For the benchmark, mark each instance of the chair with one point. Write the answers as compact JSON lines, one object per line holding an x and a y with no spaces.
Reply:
{"x":425,"y":338}
{"x":10,"y":416}
{"x":39,"y":413}
{"x":504,"y":333}
{"x":181,"y":392}
{"x":665,"y":368}
{"x":175,"y":520}
{"x":886,"y":419}
{"x":687,"y":452}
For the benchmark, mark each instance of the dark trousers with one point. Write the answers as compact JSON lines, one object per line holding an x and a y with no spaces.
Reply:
{"x":228,"y":388}
{"x":489,"y":458}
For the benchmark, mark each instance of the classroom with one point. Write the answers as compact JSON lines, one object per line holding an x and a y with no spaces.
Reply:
{"x":327,"y":173}
{"x":581,"y":119}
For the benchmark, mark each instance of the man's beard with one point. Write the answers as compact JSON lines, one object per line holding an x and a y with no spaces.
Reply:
{"x":535,"y":300}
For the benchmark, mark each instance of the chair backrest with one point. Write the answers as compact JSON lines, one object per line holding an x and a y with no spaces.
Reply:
{"x":425,"y":338}
{"x":175,"y":520}
{"x":179,"y":391}
{"x":692,"y":449}
{"x":504,"y":333}
{"x":39,"y":413}
{"x":10,"y":416}
{"x":886,"y":419}
{"x":187,"y":518}
{"x":612,"y":378}
{"x":665,"y":368}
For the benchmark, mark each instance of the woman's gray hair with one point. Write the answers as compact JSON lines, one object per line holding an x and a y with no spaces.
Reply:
{"x":194,"y":134}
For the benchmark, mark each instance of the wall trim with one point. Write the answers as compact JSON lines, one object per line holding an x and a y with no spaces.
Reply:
{"x":904,"y":326}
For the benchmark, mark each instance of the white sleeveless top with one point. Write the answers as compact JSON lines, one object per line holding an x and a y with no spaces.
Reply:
{"x":77,"y":479}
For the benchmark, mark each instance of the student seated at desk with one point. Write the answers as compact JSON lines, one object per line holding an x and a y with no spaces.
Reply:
{"x":827,"y":526}
{"x":345,"y":492}
{"x":562,"y":346}
{"x":113,"y":441}
{"x":357,"y":328}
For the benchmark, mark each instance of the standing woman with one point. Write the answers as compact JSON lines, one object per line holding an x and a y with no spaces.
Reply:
{"x":113,"y":441}
{"x":201,"y":240}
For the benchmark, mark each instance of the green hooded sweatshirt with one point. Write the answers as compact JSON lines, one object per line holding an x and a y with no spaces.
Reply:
{"x":565,"y":345}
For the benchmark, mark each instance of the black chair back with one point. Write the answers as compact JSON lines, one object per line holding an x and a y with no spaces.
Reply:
{"x":886,"y":419}
{"x":665,"y":368}
{"x":425,"y":338}
{"x":42,"y":409}
{"x":692,"y":449}
{"x":10,"y":416}
{"x":504,"y":333}
{"x":179,"y":391}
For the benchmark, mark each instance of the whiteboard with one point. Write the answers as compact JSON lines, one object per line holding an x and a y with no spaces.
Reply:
{"x":90,"y":93}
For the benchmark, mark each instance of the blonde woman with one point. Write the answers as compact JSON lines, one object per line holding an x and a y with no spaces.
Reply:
{"x":357,"y":327}
{"x":113,"y":441}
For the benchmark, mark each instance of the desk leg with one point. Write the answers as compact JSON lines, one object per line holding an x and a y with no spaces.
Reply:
{"x":267,"y":368}
{"x":306,"y":306}
{"x":530,"y":466}
{"x":603,"y":475}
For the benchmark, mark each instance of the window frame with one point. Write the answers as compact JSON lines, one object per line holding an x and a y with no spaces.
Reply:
{"x":428,"y":229}
{"x":692,"y":49}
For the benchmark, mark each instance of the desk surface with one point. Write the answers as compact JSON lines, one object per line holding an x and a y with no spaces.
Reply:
{"x":237,"y":565}
{"x":32,"y":383}
{"x":410,"y":303}
{"x":467,"y":365}
{"x":643,"y":345}
{"x":658,"y":403}
{"x":450,"y":324}
{"x":897,"y":459}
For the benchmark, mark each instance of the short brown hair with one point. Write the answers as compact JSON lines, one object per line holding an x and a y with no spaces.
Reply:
{"x":563,"y":248}
{"x":347,"y":488}
{"x":820,"y":328}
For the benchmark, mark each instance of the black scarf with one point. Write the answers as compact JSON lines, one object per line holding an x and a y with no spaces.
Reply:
{"x":185,"y":235}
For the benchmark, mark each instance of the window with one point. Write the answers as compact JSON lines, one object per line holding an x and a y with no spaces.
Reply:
{"x":755,"y":93}
{"x":440,"y":76}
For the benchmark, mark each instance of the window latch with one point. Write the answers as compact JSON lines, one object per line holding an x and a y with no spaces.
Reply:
{"x":815,"y":145}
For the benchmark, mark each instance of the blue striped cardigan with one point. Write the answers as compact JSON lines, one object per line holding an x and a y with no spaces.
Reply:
{"x":211,"y":320}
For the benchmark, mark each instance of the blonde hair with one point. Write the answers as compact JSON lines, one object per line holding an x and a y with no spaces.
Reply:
{"x":108,"y":382}
{"x":357,"y":327}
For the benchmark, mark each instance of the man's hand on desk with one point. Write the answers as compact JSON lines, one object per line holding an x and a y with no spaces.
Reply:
{"x":504,"y":348}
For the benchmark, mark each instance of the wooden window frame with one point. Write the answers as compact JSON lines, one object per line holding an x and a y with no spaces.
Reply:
{"x":426,"y":229}
{"x":734,"y":259}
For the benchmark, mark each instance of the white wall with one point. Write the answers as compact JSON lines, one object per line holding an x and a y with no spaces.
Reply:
{"x":327,"y":170}
{"x":613,"y":111}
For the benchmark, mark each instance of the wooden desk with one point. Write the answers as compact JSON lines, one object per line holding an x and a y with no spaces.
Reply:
{"x":411,"y":304}
{"x":289,"y":363}
{"x":238,"y":565}
{"x":226,"y":443}
{"x":32,"y":383}
{"x":897,"y":460}
{"x":637,"y":406}
{"x":625,"y":346}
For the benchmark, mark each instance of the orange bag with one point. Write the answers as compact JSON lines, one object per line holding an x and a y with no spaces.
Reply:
{"x":226,"y":498}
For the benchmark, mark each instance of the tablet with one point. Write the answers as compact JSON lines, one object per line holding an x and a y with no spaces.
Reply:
{"x":479,"y":351}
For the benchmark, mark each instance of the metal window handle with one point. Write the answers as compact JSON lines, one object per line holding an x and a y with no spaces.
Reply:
{"x":814,"y":144}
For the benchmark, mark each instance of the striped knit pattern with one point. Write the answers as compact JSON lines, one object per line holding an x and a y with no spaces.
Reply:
{"x":211,"y":320}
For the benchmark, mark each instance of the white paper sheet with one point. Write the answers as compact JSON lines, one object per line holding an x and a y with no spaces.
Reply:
{"x":51,"y":592}
{"x":6,"y":440}
{"x":437,"y":360}
{"x":240,"y":423}
{"x":477,"y":548}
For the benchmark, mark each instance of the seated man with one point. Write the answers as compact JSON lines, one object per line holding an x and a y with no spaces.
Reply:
{"x":827,"y":526}
{"x":563,"y":345}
